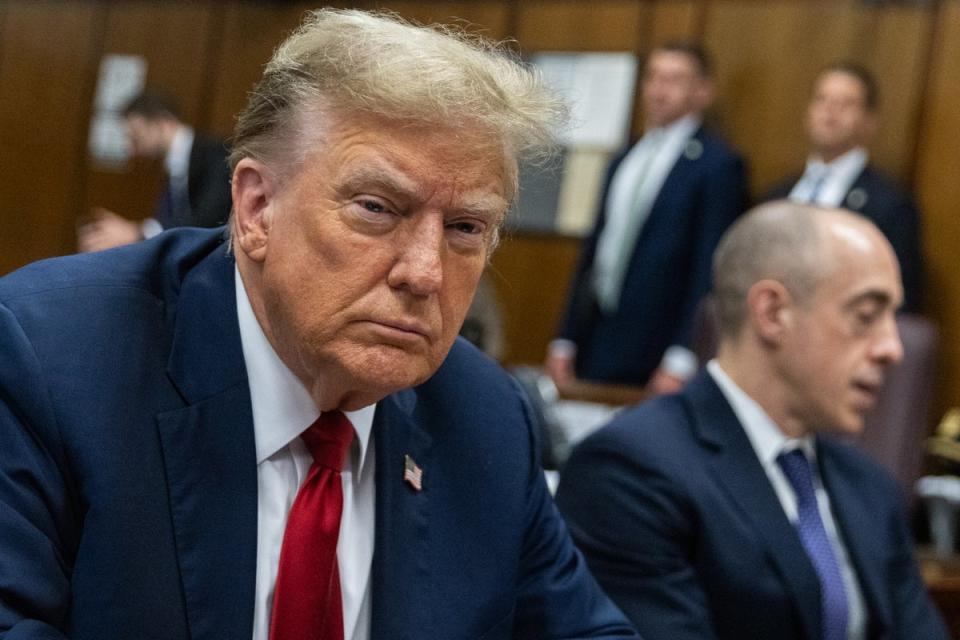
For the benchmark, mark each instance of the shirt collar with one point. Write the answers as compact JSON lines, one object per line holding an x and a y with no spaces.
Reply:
{"x":766,"y":437}
{"x":177,"y":160}
{"x":282,"y":406}
{"x":850,"y":163}
{"x":680,"y":129}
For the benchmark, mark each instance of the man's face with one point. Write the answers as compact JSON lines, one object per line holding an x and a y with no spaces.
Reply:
{"x":145,"y":136}
{"x":839,"y":344}
{"x":837,"y":117}
{"x":374,"y":247}
{"x":672,"y":88}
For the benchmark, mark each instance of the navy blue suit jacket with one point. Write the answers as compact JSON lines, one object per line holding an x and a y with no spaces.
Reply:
{"x":890,"y":207}
{"x":128,"y":481}
{"x":669,"y":271}
{"x":682,"y":527}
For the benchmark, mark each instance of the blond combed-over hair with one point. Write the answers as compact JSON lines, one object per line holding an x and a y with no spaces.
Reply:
{"x":350,"y":61}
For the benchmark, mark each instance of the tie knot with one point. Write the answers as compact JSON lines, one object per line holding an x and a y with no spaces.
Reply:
{"x":328,"y":438}
{"x":796,"y":467}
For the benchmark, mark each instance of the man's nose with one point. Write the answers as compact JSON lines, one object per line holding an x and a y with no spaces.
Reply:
{"x":888,"y":348}
{"x":418,"y":265}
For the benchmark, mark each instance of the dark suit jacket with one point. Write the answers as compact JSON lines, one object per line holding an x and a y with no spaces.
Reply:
{"x":669,"y":271}
{"x":893,"y":210}
{"x":681,"y":526}
{"x":208,"y":187}
{"x":128,"y":481}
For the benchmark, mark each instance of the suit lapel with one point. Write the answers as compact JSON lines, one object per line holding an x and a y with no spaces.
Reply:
{"x":736,"y":468}
{"x":857,"y":526}
{"x":400,"y":573}
{"x":209,"y":454}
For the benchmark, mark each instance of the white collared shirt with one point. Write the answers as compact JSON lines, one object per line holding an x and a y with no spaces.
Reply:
{"x":177,"y":160}
{"x":651,"y":159}
{"x":838,"y":177}
{"x":177,"y":165}
{"x":769,"y":442}
{"x":282,"y":410}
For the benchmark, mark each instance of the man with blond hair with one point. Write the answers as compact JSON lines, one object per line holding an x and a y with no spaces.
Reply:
{"x":729,"y":511}
{"x":275,"y":433}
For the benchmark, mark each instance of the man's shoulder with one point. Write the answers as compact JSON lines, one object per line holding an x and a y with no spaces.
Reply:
{"x":467,"y":378}
{"x":715,"y":147}
{"x":658,"y":432}
{"x":881,"y":186}
{"x":148,"y":267}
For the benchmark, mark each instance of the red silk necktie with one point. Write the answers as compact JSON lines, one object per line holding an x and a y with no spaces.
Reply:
{"x":306,"y":599}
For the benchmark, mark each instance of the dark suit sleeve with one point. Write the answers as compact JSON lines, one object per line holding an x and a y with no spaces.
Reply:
{"x":558,"y":598}
{"x":637,"y":531}
{"x":724,"y":197}
{"x":36,"y":514}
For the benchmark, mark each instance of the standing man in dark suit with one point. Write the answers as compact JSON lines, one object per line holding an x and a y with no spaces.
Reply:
{"x":196,"y":192}
{"x":275,"y":433}
{"x":646,"y":264}
{"x":728,"y":511}
{"x":842,"y":118}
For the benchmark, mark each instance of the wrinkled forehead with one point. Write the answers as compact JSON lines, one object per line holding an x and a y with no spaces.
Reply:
{"x":470,"y":142}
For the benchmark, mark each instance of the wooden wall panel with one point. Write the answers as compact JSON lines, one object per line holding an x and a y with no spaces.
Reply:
{"x":602,"y":25}
{"x":46,"y":53}
{"x":762,"y":97}
{"x":490,"y":18}
{"x":675,"y":20}
{"x":250,"y":33}
{"x":531,"y":274}
{"x":176,"y":64}
{"x":938,"y":186}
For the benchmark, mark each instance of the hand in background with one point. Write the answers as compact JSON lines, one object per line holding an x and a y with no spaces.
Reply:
{"x":560,"y":368}
{"x":663,"y":382}
{"x":105,"y":230}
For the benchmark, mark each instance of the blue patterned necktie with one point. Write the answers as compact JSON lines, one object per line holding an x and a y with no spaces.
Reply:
{"x":833,"y":598}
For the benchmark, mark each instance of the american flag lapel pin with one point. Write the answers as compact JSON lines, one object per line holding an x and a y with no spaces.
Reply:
{"x":412,"y":474}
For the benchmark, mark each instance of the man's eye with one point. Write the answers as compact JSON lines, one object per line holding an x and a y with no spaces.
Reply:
{"x":467,"y":227}
{"x":373,"y":206}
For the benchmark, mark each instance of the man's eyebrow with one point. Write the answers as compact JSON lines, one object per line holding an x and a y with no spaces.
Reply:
{"x":376,"y":175}
{"x":486,"y":206}
{"x":876,"y":296}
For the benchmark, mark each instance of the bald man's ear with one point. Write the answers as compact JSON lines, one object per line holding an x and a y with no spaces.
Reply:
{"x":771,"y":310}
{"x":253,"y":188}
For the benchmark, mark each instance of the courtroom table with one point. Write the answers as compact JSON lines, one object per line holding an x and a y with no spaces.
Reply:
{"x":942,"y":576}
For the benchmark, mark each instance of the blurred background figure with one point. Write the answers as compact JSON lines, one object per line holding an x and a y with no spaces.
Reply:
{"x":646,"y":264}
{"x":196,"y":191}
{"x":841,"y":120}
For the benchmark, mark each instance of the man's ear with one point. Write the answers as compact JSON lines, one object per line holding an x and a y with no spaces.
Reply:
{"x":253,"y":188}
{"x":771,"y":310}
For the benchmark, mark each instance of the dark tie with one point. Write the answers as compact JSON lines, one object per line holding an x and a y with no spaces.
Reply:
{"x":165,"y":211}
{"x":833,"y":598}
{"x":306,"y":600}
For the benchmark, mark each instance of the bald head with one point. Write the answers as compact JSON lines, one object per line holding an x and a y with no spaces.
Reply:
{"x":788,"y":242}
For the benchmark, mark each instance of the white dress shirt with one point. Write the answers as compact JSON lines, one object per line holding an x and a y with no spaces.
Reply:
{"x":282,"y":410}
{"x":177,"y":165}
{"x":837,"y":178}
{"x":651,"y":159}
{"x":768,"y":443}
